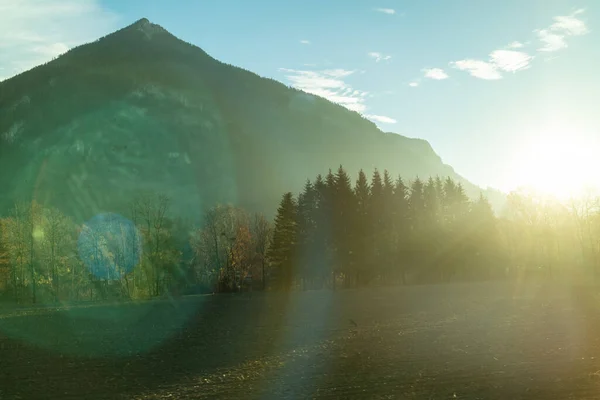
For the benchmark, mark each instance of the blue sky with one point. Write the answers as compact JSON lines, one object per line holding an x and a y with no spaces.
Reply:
{"x":505,"y":91}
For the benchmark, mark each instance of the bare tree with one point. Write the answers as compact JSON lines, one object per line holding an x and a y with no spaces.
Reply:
{"x":152,"y":210}
{"x":585,"y":211}
{"x":224,"y":247}
{"x":56,"y":241}
{"x":19,"y":239}
{"x":261,"y":233}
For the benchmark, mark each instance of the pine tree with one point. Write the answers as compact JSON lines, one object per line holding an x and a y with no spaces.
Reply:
{"x":388,"y":185}
{"x":282,"y":251}
{"x":344,"y":221}
{"x":377,"y":203}
{"x":416,"y":203}
{"x":401,"y":228}
{"x":483,"y":238}
{"x":330,"y":182}
{"x":439,"y":188}
{"x":431,"y":203}
{"x":400,"y":200}
{"x":448,"y":201}
{"x":387,"y":235}
{"x":418,"y":238}
{"x":376,"y":187}
{"x":462,"y":202}
{"x":307,"y":224}
{"x":377,"y":232}
{"x":362,"y":228}
{"x":319,"y":184}
{"x":323,"y":234}
{"x":362,"y":193}
{"x":432,"y":226}
{"x":456,"y":208}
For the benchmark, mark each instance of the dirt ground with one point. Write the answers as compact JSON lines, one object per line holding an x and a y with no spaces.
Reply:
{"x":464,"y":341}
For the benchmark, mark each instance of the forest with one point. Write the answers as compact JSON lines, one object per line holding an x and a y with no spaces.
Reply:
{"x":337,"y":233}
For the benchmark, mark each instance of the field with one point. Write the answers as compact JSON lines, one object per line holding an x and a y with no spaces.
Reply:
{"x":465,"y":341}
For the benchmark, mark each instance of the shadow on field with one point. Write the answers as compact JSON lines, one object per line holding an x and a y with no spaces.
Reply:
{"x":485,"y":340}
{"x":90,"y":352}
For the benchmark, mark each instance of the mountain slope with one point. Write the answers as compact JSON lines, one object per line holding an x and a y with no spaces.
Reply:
{"x":142,"y":110}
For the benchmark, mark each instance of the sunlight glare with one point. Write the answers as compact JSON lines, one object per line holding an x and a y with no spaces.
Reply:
{"x":556,"y":161}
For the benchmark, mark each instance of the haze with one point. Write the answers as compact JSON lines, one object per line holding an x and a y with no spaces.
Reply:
{"x":505,"y":92}
{"x":288,"y":200}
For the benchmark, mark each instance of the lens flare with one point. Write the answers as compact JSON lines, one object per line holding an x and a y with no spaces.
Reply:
{"x":110,"y":246}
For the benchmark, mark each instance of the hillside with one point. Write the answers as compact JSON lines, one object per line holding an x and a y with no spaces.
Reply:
{"x":142,"y":110}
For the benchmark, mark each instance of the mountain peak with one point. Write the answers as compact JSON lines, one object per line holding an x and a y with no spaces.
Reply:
{"x":141,"y":21}
{"x":162,"y":115}
{"x":146,"y":27}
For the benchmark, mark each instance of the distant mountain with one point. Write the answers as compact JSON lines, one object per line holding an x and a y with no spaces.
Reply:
{"x":142,"y":110}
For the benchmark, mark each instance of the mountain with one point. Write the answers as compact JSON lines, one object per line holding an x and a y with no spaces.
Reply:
{"x":142,"y":110}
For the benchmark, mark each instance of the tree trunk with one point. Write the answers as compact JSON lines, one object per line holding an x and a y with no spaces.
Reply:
{"x":264,"y":282}
{"x":32,"y":270}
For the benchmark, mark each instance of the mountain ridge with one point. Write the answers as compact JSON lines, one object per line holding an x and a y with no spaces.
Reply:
{"x":220,"y":132}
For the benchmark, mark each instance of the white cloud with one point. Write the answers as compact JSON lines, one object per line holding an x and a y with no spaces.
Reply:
{"x":477,"y":68}
{"x":515,"y":45}
{"x":413,"y":84}
{"x":553,"y":38}
{"x":435,"y":73}
{"x":499,"y":61}
{"x":570,"y":25}
{"x":378,"y":56}
{"x":381,"y":118}
{"x":510,"y":61}
{"x":304,"y":41}
{"x":34,"y":31}
{"x":551,"y":41}
{"x":328,"y":84}
{"x":389,"y":11}
{"x":338,"y":73}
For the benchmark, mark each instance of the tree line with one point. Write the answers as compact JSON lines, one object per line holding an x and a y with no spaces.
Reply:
{"x":336,"y":233}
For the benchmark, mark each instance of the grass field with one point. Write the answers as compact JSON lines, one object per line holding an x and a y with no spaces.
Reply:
{"x":466,"y":341}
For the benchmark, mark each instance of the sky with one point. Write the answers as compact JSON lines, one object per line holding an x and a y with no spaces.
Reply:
{"x":506,"y":92}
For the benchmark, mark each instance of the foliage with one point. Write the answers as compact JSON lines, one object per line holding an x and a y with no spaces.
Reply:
{"x":230,"y":248}
{"x":282,"y":252}
{"x":333,"y":234}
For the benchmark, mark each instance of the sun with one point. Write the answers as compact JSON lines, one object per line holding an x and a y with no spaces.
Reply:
{"x":556,"y":162}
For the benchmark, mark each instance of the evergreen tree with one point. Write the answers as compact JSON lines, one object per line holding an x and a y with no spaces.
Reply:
{"x":282,"y":251}
{"x":432,"y":227}
{"x":387,"y":238}
{"x":330,"y":183}
{"x":362,"y":228}
{"x":362,"y":193}
{"x":400,"y":228}
{"x":456,"y":249}
{"x":462,"y":203}
{"x":483,"y":240}
{"x":416,"y":204}
{"x":448,"y":201}
{"x":388,"y":185}
{"x":401,"y":207}
{"x":344,"y":221}
{"x":319,"y":186}
{"x":418,"y":238}
{"x":377,"y":232}
{"x":439,"y":189}
{"x":431,"y":204}
{"x":376,"y":187}
{"x":323,"y":234}
{"x":307,"y":225}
